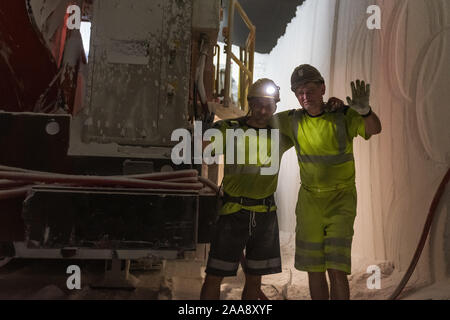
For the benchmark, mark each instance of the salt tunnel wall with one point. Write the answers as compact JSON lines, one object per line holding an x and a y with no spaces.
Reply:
{"x":407,"y":62}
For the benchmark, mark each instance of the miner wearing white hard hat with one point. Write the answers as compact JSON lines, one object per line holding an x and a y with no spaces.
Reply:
{"x":248,"y":219}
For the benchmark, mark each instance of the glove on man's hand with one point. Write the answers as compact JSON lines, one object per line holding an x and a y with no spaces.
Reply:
{"x":360,"y":97}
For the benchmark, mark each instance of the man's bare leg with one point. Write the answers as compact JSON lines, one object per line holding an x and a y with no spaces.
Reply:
{"x":318,"y":286}
{"x":252,"y":287}
{"x":211,"y":288}
{"x":339,"y":287}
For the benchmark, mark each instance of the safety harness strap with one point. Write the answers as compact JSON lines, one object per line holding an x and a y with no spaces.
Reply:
{"x":296,"y":121}
{"x":243,"y":201}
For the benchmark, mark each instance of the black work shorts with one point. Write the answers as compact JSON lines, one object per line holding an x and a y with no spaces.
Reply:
{"x":256,"y":232}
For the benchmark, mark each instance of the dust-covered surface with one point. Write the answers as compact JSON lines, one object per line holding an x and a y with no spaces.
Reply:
{"x":46,"y":279}
{"x":139,"y":72}
{"x":292,"y":284}
{"x":182,"y":280}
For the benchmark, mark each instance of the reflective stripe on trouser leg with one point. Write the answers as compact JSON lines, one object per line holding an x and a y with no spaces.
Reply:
{"x":263,"y":264}
{"x":222,"y":265}
{"x":309,"y":256}
{"x":318,"y":257}
{"x":306,"y":261}
{"x":338,"y":254}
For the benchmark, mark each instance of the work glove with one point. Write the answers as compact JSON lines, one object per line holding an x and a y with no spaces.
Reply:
{"x":360,"y":98}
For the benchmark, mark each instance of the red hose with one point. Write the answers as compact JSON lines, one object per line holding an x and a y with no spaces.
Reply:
{"x":11,"y":184}
{"x":6,"y":168}
{"x":182,"y":181}
{"x":164,"y":175}
{"x":209,"y":183}
{"x":423,"y":238}
{"x":144,"y":176}
{"x":14,"y":193}
{"x":98,"y":181}
{"x":186,"y":180}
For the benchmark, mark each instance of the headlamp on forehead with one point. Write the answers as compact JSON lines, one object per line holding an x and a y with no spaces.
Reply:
{"x":264,"y":88}
{"x":270,"y":89}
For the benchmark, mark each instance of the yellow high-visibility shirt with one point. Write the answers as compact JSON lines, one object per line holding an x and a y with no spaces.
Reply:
{"x":324,"y":145}
{"x":246,"y":180}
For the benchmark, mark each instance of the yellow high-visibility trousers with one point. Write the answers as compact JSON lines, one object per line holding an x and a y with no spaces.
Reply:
{"x":324,"y":229}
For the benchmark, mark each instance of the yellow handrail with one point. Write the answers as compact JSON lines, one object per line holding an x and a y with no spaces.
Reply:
{"x":245,"y":62}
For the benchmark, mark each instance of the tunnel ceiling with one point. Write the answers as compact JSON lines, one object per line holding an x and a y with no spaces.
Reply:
{"x":270,"y":18}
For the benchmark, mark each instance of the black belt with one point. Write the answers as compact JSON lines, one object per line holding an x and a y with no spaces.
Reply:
{"x":243,"y":201}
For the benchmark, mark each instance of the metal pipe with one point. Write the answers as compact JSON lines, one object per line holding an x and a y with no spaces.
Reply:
{"x":201,"y":70}
{"x":217,"y":47}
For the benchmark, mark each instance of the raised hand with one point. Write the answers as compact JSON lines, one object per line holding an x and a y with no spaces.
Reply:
{"x":360,"y":97}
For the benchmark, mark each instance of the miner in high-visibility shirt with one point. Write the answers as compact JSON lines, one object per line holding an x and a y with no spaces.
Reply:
{"x":326,"y":205}
{"x":248,"y":220}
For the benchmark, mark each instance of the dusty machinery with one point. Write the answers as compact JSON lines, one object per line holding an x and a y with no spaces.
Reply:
{"x":86,"y":170}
